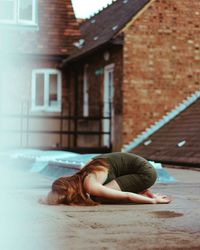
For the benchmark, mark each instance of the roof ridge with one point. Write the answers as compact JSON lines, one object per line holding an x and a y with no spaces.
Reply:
{"x":165,"y":119}
{"x":99,"y":11}
{"x":95,"y":33}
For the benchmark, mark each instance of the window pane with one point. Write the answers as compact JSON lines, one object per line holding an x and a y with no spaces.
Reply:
{"x":53,"y":90}
{"x":25,"y":10}
{"x":7,"y":10}
{"x":39,"y":90}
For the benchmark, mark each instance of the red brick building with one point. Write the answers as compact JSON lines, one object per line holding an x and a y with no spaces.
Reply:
{"x":124,"y":69}
{"x":145,"y":54}
{"x":161,"y":62}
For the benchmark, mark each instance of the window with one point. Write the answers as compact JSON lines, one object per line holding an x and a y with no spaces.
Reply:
{"x":18,"y":12}
{"x":46,"y":90}
{"x":85,"y":92}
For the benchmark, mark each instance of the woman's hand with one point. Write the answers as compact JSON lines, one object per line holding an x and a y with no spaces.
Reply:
{"x":157,"y":198}
{"x":161,"y":199}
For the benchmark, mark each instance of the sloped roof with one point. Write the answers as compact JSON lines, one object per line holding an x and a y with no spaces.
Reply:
{"x":177,"y":142}
{"x":102,"y":27}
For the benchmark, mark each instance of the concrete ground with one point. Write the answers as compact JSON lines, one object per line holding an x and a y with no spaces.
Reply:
{"x":26,"y":224}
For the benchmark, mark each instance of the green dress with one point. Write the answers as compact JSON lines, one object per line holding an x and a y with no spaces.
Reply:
{"x":131,"y":172}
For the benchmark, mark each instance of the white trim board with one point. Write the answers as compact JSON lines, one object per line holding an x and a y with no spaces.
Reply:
{"x":168,"y":117}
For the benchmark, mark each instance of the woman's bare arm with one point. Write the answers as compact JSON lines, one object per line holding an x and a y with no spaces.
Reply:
{"x":95,"y":188}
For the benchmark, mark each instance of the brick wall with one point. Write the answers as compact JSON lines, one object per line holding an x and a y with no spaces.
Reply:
{"x":161,"y":62}
{"x":95,"y":68}
{"x":55,"y":33}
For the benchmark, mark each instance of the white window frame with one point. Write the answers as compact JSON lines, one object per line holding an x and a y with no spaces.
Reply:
{"x":16,"y":13}
{"x":46,"y":107}
{"x":107,"y":100}
{"x":85,"y":92}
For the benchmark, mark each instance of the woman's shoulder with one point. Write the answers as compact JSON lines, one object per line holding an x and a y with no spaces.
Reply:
{"x":96,"y":176}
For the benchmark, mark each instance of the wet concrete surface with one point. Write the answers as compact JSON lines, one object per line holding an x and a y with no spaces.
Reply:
{"x":26,"y":224}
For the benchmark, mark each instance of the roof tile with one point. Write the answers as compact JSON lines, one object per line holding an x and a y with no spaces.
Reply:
{"x":106,"y":24}
{"x":178,"y":141}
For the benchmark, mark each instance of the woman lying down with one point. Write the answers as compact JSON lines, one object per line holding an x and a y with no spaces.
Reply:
{"x":108,"y":178}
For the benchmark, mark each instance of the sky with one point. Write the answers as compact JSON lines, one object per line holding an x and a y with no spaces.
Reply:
{"x":87,"y":8}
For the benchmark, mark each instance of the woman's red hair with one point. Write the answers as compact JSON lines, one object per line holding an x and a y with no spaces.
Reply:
{"x":70,"y":191}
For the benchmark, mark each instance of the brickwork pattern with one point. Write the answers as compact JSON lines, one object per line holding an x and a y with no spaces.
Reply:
{"x":161,"y":62}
